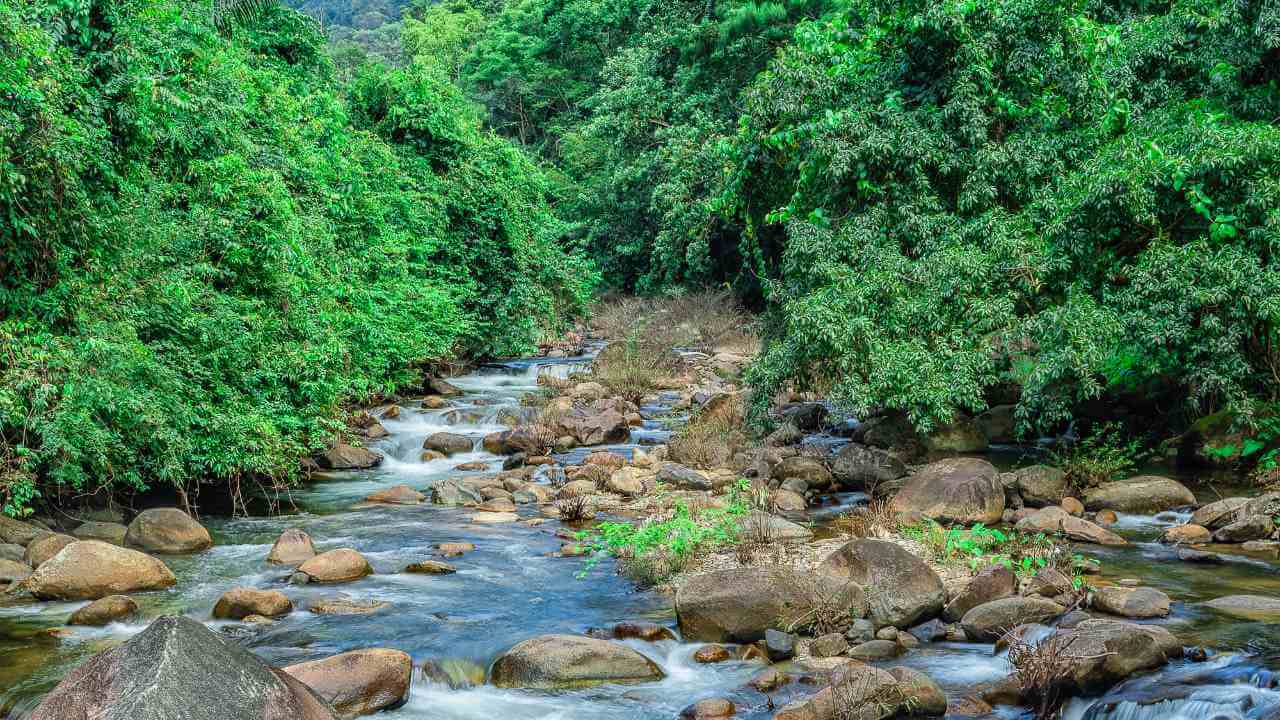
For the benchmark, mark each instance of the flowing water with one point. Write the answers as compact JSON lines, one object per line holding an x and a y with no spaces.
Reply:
{"x":512,"y":587}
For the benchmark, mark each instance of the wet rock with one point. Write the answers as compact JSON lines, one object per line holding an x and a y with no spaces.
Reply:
{"x":901,"y":588}
{"x":349,"y":457}
{"x":104,"y":611}
{"x":919,"y":692}
{"x":807,"y":469}
{"x":993,"y":582}
{"x":345,"y":605}
{"x":107,"y":532}
{"x":359,"y":682}
{"x":45,"y":547}
{"x":1186,"y":535}
{"x":874,"y":650}
{"x":1111,"y":650}
{"x":779,"y":645}
{"x":12,"y":571}
{"x":396,"y":495}
{"x":452,"y":673}
{"x":1105,"y":518}
{"x":336,"y":566}
{"x":708,"y":654}
{"x":962,"y":436}
{"x":178,"y":668}
{"x":713,"y":709}
{"x":679,"y":477}
{"x":987,"y":622}
{"x":443,"y":388}
{"x":448,"y":443}
{"x":241,"y":602}
{"x":1199,"y":556}
{"x":1250,"y":607}
{"x":167,"y":531}
{"x":1041,"y":485}
{"x":1143,"y":602}
{"x":293,"y":547}
{"x":88,"y":570}
{"x":740,"y":604}
{"x":434,"y":402}
{"x":769,"y":680}
{"x":647,"y":631}
{"x":494,"y":518}
{"x":430,"y":567}
{"x":857,"y":467}
{"x":829,"y":645}
{"x":454,"y":549}
{"x":1218,"y":514}
{"x":452,"y":492}
{"x":18,"y":532}
{"x":807,"y":416}
{"x":564,"y":661}
{"x":1244,"y":529}
{"x":957,"y":490}
{"x":1057,"y":520}
{"x":1143,"y":494}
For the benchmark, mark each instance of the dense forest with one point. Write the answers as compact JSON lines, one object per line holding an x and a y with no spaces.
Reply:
{"x":213,"y":238}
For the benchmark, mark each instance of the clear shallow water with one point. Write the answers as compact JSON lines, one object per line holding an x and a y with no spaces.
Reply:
{"x":511,"y":588}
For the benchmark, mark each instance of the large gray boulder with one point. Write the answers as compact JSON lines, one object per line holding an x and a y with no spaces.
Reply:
{"x":956,"y":490}
{"x":567,"y":661}
{"x":89,"y":569}
{"x":1142,"y":494}
{"x":448,"y":443}
{"x":901,"y":589}
{"x":1219,"y":513}
{"x":1109,"y":651}
{"x":739,"y":604}
{"x":177,"y":669}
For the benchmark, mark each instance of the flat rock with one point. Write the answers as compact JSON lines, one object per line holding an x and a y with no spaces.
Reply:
{"x":346,"y":605}
{"x":396,"y":495}
{"x":567,"y":661}
{"x":448,"y":443}
{"x":1142,"y":494}
{"x":1250,"y":607}
{"x":1189,"y":534}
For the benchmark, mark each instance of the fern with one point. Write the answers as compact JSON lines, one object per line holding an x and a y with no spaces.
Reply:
{"x":237,"y":12}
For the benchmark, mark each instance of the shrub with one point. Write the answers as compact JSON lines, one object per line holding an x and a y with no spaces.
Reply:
{"x":979,"y":546}
{"x":574,"y":509}
{"x":1043,"y":671}
{"x":1102,"y":457}
{"x":634,"y":369}
{"x":710,"y":439}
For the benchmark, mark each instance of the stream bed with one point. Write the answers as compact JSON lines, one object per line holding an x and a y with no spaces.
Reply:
{"x":512,"y":587}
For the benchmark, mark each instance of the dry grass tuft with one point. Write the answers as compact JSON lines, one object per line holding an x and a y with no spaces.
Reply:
{"x":757,"y":540}
{"x":574,"y":509}
{"x":874,"y":520}
{"x":706,"y":320}
{"x":711,"y":439}
{"x":859,"y":696}
{"x":1043,"y":671}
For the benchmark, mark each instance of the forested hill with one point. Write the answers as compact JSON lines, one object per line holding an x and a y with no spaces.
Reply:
{"x":208,"y":245}
{"x":361,"y":28}
{"x":939,"y":204}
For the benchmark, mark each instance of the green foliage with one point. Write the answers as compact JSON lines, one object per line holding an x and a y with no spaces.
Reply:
{"x":1104,"y":456}
{"x":664,"y":547}
{"x":979,"y":546}
{"x":209,"y":246}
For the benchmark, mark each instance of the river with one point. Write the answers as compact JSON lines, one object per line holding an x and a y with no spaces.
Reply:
{"x":513,"y":587}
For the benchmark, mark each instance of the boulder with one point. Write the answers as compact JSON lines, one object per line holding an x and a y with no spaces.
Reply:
{"x":241,"y":602}
{"x":167,"y":531}
{"x":443,"y":388}
{"x":396,"y":495}
{"x":178,"y":668}
{"x":806,"y":416}
{"x":801,"y":467}
{"x":1186,"y":535}
{"x":633,"y":630}
{"x":857,"y":467}
{"x":12,"y":571}
{"x":89,"y":569}
{"x":1111,"y":650}
{"x":430,"y":567}
{"x":348,"y":457}
{"x":956,"y":490}
{"x":787,"y":501}
{"x":771,"y":528}
{"x":336,"y":566}
{"x":679,"y":477}
{"x":708,"y":654}
{"x":779,"y":645}
{"x":857,"y":692}
{"x":448,"y":443}
{"x":997,"y":424}
{"x":988,"y":621}
{"x":566,"y":661}
{"x":901,"y":588}
{"x":1072,"y":506}
{"x":1057,"y":520}
{"x":1249,"y":607}
{"x":12,"y":552}
{"x":360,"y":682}
{"x":1142,"y":602}
{"x":1244,"y":529}
{"x":598,"y":424}
{"x":1143,"y":494}
{"x":293,"y":547}
{"x":104,"y":611}
{"x":739,"y":604}
{"x":993,"y":582}
{"x":452,"y":492}
{"x":628,"y":481}
{"x":711,"y":709}
{"x":108,"y":532}
{"x":1041,"y":485}
{"x":1219,"y":513}
{"x":829,"y":645}
{"x":45,"y":547}
{"x":531,"y":440}
{"x":18,"y":532}
{"x":920,"y":693}
{"x":962,"y":436}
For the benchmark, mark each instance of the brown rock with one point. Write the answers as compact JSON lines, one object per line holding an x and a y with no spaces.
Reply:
{"x":713,"y":709}
{"x":901,"y":588}
{"x":397,"y":495}
{"x":241,"y":602}
{"x":565,"y":661}
{"x":346,"y":605}
{"x":1186,"y":535}
{"x":1143,"y":602}
{"x":104,"y":611}
{"x":711,"y":654}
{"x":920,"y":693}
{"x":336,"y":566}
{"x":349,"y":457}
{"x":359,"y":682}
{"x":18,"y":532}
{"x":107,"y":532}
{"x":454,"y":549}
{"x":991,"y":583}
{"x":293,"y":547}
{"x":12,"y":571}
{"x":430,"y":567}
{"x":45,"y":547}
{"x":167,"y":531}
{"x":88,"y":570}
{"x":957,"y":490}
{"x":1072,"y":506}
{"x":1143,"y":494}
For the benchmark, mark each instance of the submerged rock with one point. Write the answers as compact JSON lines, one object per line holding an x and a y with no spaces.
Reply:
{"x":1251,"y":607}
{"x":178,"y":668}
{"x":88,"y":570}
{"x":167,"y":531}
{"x":359,"y":682}
{"x":566,"y":661}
